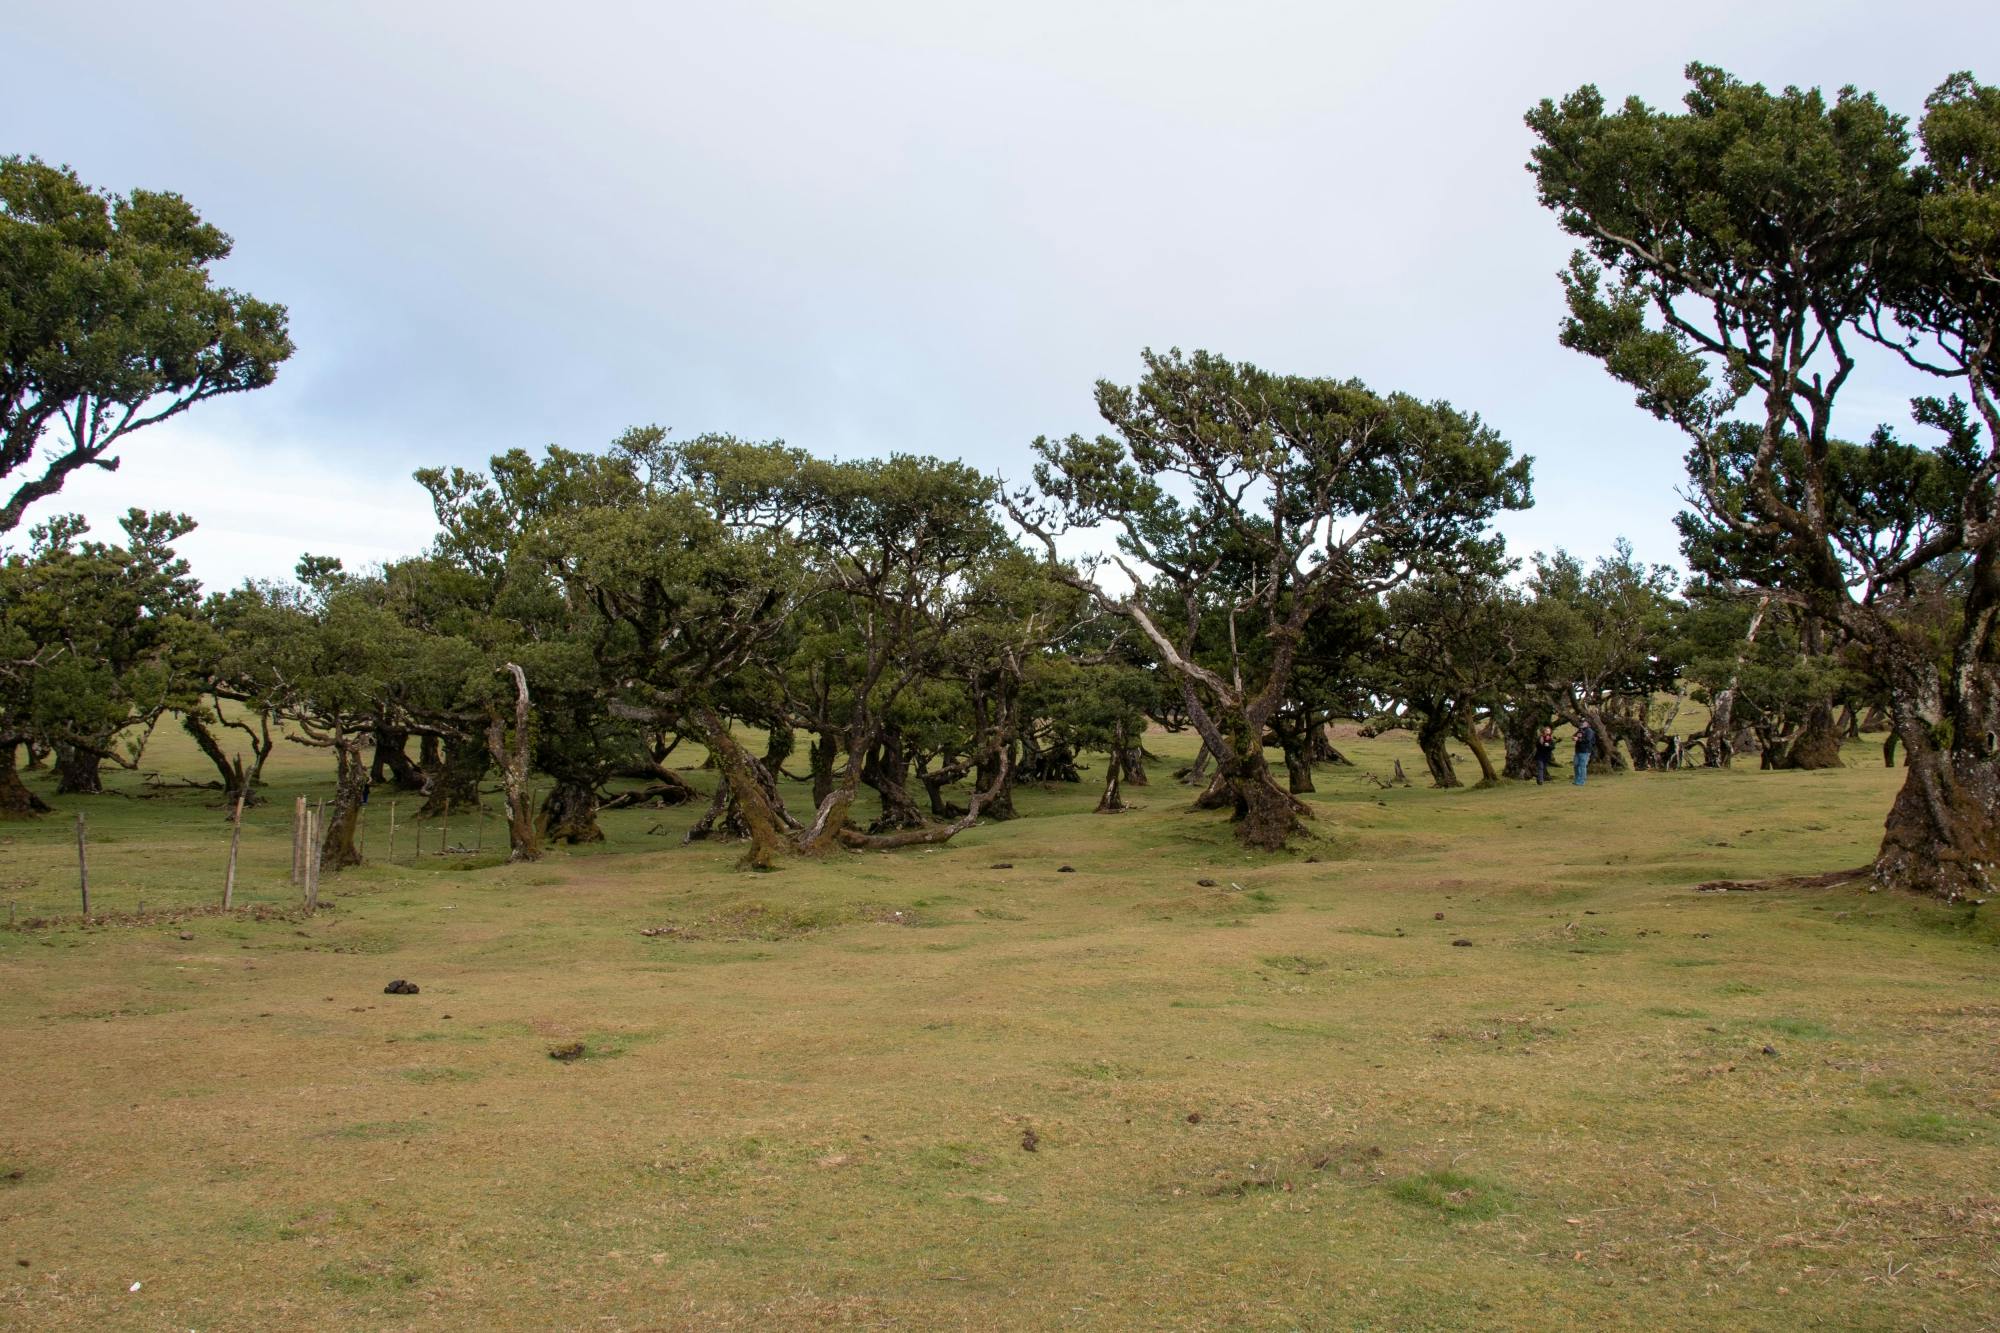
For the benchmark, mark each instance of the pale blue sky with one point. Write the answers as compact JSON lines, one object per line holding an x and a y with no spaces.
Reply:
{"x":873,"y":227}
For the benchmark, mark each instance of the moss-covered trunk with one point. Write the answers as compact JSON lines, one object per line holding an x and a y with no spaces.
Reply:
{"x":1818,"y":743}
{"x":350,"y":794}
{"x":1431,"y":739}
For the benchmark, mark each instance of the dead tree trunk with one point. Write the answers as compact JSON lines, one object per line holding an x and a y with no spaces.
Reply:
{"x":523,"y":841}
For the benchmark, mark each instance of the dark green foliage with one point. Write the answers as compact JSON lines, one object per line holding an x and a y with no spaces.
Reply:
{"x":109,"y":322}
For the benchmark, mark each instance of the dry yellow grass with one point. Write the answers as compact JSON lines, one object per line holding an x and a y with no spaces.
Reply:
{"x":1285,"y":1101}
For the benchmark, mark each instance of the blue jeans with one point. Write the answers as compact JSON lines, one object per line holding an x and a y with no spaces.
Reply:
{"x":1582,"y":767}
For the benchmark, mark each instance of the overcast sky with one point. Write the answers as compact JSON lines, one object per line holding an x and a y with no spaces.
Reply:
{"x":867,"y":228}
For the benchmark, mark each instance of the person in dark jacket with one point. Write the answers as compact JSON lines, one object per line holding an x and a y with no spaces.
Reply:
{"x":1586,"y":741}
{"x":1545,"y":754}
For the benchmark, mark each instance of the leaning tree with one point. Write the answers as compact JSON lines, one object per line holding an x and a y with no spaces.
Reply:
{"x":110,"y":321}
{"x":1318,"y":491}
{"x":1737,"y":256}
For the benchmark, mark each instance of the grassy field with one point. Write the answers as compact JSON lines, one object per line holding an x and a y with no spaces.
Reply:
{"x":1475,"y":1059}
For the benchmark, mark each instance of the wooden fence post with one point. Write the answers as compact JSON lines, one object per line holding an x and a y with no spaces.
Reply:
{"x":298,"y":840}
{"x":235,"y":838}
{"x":312,"y":861}
{"x":82,"y":866}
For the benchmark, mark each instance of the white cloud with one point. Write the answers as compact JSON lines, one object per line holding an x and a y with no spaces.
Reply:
{"x":259,"y":507}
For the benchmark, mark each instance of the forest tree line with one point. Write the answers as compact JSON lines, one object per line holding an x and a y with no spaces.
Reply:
{"x":1285,"y":551}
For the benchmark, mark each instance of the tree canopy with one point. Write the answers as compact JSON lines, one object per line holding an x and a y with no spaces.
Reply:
{"x":110,"y":321}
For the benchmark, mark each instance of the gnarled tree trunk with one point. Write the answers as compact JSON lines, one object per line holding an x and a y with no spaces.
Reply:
{"x":1298,"y":772}
{"x":995,"y":772}
{"x":1265,"y":817}
{"x":889,"y":776}
{"x":392,"y":761}
{"x":1487,"y":777}
{"x":350,"y":795}
{"x":16,"y":801}
{"x":77,"y":770}
{"x":456,"y":777}
{"x":569,"y":813}
{"x":1942,"y":836}
{"x":825,"y":749}
{"x":1133,"y":759}
{"x":1431,"y":738}
{"x":936,"y":780}
{"x":1818,"y":743}
{"x":1112,"y":802}
{"x":754,"y":805}
{"x":1520,"y":732}
{"x":235,"y":778}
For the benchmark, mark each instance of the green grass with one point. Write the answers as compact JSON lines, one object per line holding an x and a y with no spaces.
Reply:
{"x":1453,"y":1194}
{"x":912,"y":1090}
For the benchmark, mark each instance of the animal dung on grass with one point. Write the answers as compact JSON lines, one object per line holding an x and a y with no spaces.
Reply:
{"x":1030,"y":1141}
{"x":400,"y":987}
{"x":1205,"y":883}
{"x":1065,"y":870}
{"x":1461,"y":944}
{"x":1002,"y":865}
{"x":567,"y":1052}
